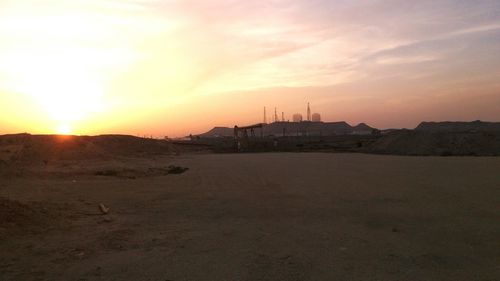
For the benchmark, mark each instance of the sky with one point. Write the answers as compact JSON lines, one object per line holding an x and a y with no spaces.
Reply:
{"x":175,"y":67}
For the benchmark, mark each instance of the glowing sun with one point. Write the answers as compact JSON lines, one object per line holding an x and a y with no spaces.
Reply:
{"x":64,"y":129}
{"x":65,"y":95}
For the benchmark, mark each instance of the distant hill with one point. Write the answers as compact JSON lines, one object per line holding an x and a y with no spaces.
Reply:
{"x":362,"y":127}
{"x":298,"y":128}
{"x":458,"y":126}
{"x":218,"y":132}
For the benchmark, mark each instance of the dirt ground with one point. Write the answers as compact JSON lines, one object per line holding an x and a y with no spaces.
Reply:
{"x":267,"y":216}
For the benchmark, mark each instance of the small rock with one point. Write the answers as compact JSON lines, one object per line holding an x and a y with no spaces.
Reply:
{"x":104,"y":210}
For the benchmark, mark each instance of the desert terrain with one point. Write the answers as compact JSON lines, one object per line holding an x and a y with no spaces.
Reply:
{"x":260,"y":216}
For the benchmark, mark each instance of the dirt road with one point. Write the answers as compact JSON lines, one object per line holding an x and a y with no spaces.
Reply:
{"x":269,"y":216}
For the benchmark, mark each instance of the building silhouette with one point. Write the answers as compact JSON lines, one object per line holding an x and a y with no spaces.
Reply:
{"x":316,"y":117}
{"x":297,"y":117}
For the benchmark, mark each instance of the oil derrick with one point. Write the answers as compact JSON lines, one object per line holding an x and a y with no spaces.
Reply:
{"x":275,"y":115}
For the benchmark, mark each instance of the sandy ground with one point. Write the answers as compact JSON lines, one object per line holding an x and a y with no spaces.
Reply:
{"x":269,"y":216}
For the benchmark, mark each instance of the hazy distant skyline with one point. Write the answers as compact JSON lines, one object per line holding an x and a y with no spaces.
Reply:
{"x":178,"y":67}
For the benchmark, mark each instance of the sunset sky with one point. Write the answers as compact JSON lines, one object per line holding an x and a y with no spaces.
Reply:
{"x":176,"y":67}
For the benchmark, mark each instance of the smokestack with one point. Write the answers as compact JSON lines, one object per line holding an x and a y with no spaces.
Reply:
{"x":265,"y":117}
{"x":308,"y":112}
{"x":282,"y":116}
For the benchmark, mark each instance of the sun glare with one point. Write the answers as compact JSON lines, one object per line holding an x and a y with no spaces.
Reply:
{"x":64,"y":129}
{"x":65,"y":93}
{"x":62,"y":61}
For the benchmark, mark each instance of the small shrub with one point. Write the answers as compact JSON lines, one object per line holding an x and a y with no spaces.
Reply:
{"x":176,"y":169}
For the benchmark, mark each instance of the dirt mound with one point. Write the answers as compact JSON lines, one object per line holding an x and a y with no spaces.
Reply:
{"x":475,"y":126}
{"x":27,"y":148}
{"x":418,"y":142}
{"x":27,"y":218}
{"x":129,"y":145}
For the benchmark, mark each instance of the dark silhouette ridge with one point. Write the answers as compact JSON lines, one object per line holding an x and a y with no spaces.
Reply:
{"x":428,"y":138}
{"x":475,"y":138}
{"x":299,"y":129}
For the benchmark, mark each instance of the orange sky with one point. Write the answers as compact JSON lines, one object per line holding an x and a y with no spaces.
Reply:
{"x":177,"y":67}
